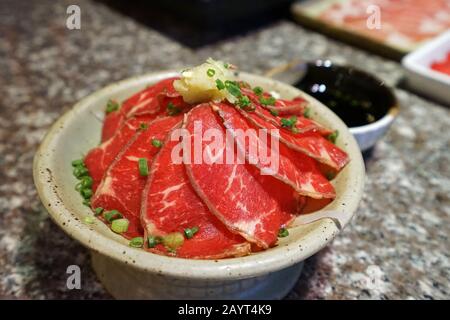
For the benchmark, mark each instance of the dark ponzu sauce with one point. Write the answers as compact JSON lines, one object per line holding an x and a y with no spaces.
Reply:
{"x":356,"y":97}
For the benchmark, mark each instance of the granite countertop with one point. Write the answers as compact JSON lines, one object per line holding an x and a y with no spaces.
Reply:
{"x":397,"y":246}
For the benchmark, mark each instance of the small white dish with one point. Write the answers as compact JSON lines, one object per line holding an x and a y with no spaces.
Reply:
{"x":419,"y":74}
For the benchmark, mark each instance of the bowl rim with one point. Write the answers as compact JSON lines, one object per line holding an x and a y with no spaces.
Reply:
{"x":271,"y":260}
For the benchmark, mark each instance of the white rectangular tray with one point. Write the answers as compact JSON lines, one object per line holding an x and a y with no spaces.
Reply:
{"x":419,"y":74}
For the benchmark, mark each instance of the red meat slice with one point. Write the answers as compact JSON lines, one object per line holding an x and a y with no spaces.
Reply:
{"x":122,"y":186}
{"x":147,"y":101}
{"x":296,"y":170}
{"x":170,"y":204}
{"x":311,"y":144}
{"x":98,"y":159}
{"x":248,"y":203}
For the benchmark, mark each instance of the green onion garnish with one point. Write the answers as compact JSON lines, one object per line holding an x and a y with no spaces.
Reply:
{"x":258,"y":91}
{"x":330,"y":175}
{"x":86,"y":182}
{"x":283,"y":232}
{"x":143,"y":125}
{"x":274,"y":112}
{"x":267,"y":101}
{"x":78,"y":186}
{"x":157,"y":143}
{"x":88,"y":220}
{"x":172,"y":109}
{"x":143,"y":167}
{"x":190,"y":232}
{"x":226,"y":65}
{"x":289,"y":123}
{"x":219,"y":84}
{"x":87,"y":202}
{"x":137,"y":242}
{"x":120,"y":225}
{"x":307,"y":113}
{"x":333,"y":136}
{"x":233,"y":88}
{"x":98,"y":211}
{"x":111,"y":106}
{"x":112,"y":215}
{"x":77,"y":163}
{"x":80,"y":172}
{"x":243,"y":102}
{"x":153,"y":241}
{"x":173,"y":240}
{"x":86,"y":193}
{"x":211,"y":72}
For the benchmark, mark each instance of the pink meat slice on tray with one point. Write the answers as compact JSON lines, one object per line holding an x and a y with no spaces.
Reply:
{"x":253,"y":205}
{"x":170,"y":204}
{"x":146,"y":101}
{"x":309,"y":143}
{"x":122,"y":185}
{"x":296,"y":170}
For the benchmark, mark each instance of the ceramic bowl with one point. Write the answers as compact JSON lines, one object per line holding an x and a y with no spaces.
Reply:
{"x":131,"y":273}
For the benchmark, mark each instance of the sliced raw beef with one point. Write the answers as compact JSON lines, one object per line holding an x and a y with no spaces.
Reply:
{"x":287,"y":108}
{"x":99,"y":158}
{"x":122,"y":185}
{"x":296,"y":170}
{"x":296,"y":106}
{"x":248,"y":203}
{"x":311,"y":144}
{"x":153,"y":100}
{"x":170,"y":204}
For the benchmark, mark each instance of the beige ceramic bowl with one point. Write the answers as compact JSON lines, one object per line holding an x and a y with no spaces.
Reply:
{"x":133,"y":273}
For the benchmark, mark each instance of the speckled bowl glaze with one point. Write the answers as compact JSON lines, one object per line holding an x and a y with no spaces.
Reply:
{"x":130,"y":273}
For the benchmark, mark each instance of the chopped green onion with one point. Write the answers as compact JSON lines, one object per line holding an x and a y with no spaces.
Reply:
{"x":157,"y":143}
{"x":267,"y":101}
{"x":190,"y":232}
{"x":289,"y":123}
{"x":219,"y":84}
{"x":112,"y":215}
{"x":283,"y":232}
{"x":79,"y":172}
{"x":173,"y":240}
{"x":258,"y":91}
{"x":86,"y":193}
{"x":86,"y":182}
{"x":112,"y":106}
{"x":153,"y":241}
{"x":98,"y":211}
{"x":226,"y":65}
{"x":307,"y":113}
{"x":78,"y":186}
{"x":233,"y":88}
{"x":77,"y":163}
{"x":120,"y":225}
{"x":172,"y":109}
{"x":295,"y":130}
{"x":330,"y":175}
{"x":88,"y":220}
{"x":87,"y":202}
{"x":333,"y":136}
{"x":137,"y":242}
{"x":243,"y":102}
{"x":211,"y":72}
{"x":143,"y":167}
{"x":143,"y":126}
{"x":274,"y":112}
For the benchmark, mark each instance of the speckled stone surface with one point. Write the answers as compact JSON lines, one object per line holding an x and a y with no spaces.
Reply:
{"x":397,"y":247}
